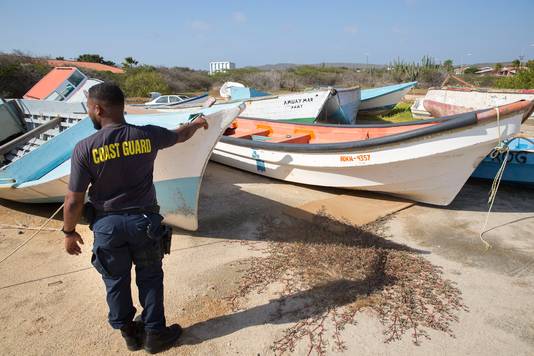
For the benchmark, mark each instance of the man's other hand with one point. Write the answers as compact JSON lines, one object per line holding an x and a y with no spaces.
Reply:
{"x":201,"y":122}
{"x":71,"y":243}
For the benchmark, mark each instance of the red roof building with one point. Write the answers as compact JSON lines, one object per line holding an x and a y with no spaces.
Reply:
{"x":87,"y":65}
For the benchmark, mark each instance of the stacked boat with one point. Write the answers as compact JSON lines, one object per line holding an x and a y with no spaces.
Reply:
{"x":309,"y":137}
{"x":36,"y":165}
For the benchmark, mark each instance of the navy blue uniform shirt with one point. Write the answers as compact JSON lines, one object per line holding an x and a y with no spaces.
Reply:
{"x":118,"y":162}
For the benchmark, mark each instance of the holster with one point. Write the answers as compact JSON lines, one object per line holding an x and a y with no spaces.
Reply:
{"x":159,"y":232}
{"x":89,"y":214}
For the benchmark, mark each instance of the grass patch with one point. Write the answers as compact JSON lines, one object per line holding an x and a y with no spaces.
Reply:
{"x":400,"y":113}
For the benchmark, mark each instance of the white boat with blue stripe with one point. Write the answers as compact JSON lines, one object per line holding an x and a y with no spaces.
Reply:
{"x":36,"y":165}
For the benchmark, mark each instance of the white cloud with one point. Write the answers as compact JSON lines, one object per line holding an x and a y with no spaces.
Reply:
{"x":198,"y":25}
{"x":239,"y":17}
{"x":352,"y":29}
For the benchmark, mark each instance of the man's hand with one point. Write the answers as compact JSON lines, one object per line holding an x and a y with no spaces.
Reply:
{"x":200,"y":122}
{"x":71,"y":243}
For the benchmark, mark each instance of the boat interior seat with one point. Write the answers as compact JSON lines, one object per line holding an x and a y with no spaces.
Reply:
{"x":249,"y":134}
{"x":298,"y":138}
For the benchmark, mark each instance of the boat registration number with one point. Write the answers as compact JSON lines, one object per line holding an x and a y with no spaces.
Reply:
{"x":361,"y":158}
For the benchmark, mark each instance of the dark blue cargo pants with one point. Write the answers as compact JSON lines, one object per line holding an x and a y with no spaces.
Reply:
{"x":120,"y":240}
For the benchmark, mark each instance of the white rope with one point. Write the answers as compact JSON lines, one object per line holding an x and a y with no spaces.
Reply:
{"x":22,"y":227}
{"x":498,"y":150}
{"x":33,"y":235}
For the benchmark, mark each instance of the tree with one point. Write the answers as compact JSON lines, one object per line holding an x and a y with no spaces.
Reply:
{"x":129,"y":62}
{"x":60,"y":58}
{"x":516,"y":63}
{"x":448,"y":65}
{"x":94,"y":58}
{"x":497,"y":67}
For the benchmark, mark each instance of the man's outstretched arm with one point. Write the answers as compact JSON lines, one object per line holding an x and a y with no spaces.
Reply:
{"x":186,"y":131}
{"x":72,"y":212}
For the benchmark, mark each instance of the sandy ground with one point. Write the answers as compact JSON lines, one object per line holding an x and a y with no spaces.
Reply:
{"x":53,"y":303}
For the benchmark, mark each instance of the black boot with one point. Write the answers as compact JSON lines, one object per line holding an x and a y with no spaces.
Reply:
{"x":133,"y":334}
{"x":157,"y":341}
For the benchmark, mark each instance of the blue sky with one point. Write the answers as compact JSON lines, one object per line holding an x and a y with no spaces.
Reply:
{"x":254,"y":33}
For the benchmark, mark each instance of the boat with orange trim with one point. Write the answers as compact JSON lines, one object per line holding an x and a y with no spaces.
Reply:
{"x":426,"y":161}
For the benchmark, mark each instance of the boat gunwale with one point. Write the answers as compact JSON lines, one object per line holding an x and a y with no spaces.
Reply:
{"x":484,"y":90}
{"x":446,"y":123}
{"x":406,"y":85}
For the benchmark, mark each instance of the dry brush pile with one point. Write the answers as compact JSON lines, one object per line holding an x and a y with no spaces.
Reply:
{"x":330,"y":271}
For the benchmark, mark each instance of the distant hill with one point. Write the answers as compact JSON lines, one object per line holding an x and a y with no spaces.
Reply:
{"x":284,"y":66}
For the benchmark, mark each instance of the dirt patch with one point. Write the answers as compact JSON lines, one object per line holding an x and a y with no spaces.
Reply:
{"x":331,"y":270}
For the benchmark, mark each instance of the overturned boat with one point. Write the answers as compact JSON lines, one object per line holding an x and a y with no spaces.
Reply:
{"x":469,"y":98}
{"x":376,"y":101}
{"x":426,"y":161}
{"x":36,"y":164}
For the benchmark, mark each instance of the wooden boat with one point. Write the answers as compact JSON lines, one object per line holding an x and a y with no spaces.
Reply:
{"x":36,"y":165}
{"x":520,"y":166}
{"x":469,"y":98}
{"x":426,"y":161}
{"x":376,"y":101}
{"x":322,"y":105}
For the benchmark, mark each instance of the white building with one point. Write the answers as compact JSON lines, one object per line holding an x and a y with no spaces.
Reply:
{"x":220,"y":67}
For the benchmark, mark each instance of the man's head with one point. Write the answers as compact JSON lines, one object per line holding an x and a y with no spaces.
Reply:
{"x":105,"y":102}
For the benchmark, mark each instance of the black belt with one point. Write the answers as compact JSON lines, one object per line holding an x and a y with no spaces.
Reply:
{"x":133,"y":211}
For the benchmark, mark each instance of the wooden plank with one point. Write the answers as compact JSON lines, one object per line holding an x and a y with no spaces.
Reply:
{"x":28,"y":135}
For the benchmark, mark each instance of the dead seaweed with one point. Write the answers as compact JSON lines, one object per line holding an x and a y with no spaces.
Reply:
{"x":336,"y":270}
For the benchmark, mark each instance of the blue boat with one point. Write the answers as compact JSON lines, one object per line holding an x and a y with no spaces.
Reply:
{"x":520,"y":166}
{"x":380,"y":100}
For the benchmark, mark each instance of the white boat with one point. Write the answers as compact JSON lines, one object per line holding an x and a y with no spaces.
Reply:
{"x":321,"y":105}
{"x":474,"y":99}
{"x":426,"y":161}
{"x":375,"y":101}
{"x":36,"y":168}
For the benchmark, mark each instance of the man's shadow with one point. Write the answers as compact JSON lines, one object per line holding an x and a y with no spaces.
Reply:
{"x":288,"y":309}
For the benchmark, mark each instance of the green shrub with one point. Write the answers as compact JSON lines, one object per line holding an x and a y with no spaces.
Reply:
{"x":522,"y":80}
{"x":470,"y":70}
{"x":138,"y":82}
{"x":19,"y":72}
{"x":185,"y":80}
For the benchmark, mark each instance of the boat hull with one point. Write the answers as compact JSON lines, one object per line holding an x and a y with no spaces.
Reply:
{"x":430,"y":171}
{"x":474,"y":99}
{"x":519,"y":168}
{"x":343,"y":107}
{"x":178,"y":172}
{"x":378,"y":101}
{"x":298,"y":107}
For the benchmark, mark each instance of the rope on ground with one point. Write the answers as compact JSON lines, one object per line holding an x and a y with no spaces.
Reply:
{"x":22,"y":227}
{"x":501,"y":148}
{"x":33,"y":235}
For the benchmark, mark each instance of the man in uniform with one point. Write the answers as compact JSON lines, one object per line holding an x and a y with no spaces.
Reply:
{"x":118,"y":162}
